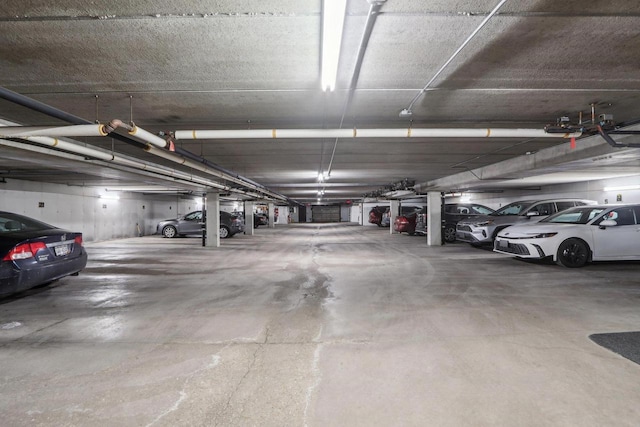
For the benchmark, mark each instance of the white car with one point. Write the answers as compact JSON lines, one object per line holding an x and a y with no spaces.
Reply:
{"x":576,"y":236}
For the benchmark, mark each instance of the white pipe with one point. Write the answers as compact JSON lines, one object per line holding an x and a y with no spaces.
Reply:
{"x":47,"y":135}
{"x":371,"y":133}
{"x":55,"y":131}
{"x":148,"y":137}
{"x":80,"y":130}
{"x":108,"y":157}
{"x":201,"y":167}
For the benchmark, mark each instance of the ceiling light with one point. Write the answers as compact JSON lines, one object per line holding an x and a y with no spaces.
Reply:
{"x":110,"y":197}
{"x":332,"y":22}
{"x":624,"y":187}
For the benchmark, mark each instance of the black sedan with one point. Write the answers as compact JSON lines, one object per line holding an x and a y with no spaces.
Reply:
{"x":33,"y":253}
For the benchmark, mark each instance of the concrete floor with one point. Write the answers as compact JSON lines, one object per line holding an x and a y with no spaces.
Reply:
{"x":319,"y":325}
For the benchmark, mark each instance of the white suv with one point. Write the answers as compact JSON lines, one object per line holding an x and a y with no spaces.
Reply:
{"x":483,"y":229}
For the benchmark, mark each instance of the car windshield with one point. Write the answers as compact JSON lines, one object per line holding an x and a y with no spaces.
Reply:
{"x":482,"y":210}
{"x":10,"y":223}
{"x":515,"y":208}
{"x":579,"y":215}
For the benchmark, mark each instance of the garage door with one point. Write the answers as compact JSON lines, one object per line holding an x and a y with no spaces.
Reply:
{"x":325,"y":213}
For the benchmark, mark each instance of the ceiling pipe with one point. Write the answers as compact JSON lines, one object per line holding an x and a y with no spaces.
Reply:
{"x":45,"y":135}
{"x":86,"y":152}
{"x":203,"y":168}
{"x":139,"y":133}
{"x":371,"y":133}
{"x":407,"y":111}
{"x":374,"y":10}
{"x":51,"y":131}
{"x":67,"y":146}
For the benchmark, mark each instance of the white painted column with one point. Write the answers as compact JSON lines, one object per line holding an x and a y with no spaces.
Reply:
{"x":213,"y":220}
{"x":394,"y":211}
{"x":248,"y":218}
{"x":272,"y":221}
{"x":434,"y":219}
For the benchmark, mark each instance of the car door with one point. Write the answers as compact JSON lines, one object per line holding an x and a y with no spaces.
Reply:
{"x":191,"y":223}
{"x":621,"y":241}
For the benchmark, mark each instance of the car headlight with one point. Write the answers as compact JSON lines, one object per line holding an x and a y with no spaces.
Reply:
{"x":484,"y":223}
{"x":543,"y":235}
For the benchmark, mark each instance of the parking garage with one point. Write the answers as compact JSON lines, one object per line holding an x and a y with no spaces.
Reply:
{"x":316,"y":317}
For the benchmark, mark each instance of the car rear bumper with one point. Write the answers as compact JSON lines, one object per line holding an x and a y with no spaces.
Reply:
{"x":14,"y":279}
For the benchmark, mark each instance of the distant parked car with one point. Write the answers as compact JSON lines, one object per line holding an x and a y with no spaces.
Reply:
{"x":260,"y":219}
{"x":576,"y":236}
{"x":453,"y":213}
{"x":192,"y":223}
{"x":33,"y":253}
{"x":376,"y":213}
{"x":406,"y":221}
{"x":483,"y":229}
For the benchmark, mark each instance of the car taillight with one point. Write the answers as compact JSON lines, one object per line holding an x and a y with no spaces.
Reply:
{"x":78,"y":240}
{"x":24,"y":251}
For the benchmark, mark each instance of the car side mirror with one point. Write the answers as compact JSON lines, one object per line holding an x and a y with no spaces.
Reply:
{"x":532,"y":213}
{"x":608,"y":223}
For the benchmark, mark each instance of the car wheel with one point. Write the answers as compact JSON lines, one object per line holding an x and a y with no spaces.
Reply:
{"x":450,"y":234}
{"x":572,"y":253}
{"x":170,"y":231}
{"x":224,"y":232}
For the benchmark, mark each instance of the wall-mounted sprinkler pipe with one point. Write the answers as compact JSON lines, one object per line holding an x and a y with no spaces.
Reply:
{"x":371,"y":133}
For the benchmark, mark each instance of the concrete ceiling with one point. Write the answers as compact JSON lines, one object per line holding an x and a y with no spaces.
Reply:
{"x":174,"y":65}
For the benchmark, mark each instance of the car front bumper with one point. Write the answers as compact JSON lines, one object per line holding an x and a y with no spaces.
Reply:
{"x":474,"y":235}
{"x":527,"y":248}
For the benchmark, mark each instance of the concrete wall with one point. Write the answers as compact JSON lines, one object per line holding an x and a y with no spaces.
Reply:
{"x":591,"y":190}
{"x":82,"y":209}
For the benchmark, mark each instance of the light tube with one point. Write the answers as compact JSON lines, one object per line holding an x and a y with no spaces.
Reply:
{"x":624,"y":187}
{"x":333,"y":12}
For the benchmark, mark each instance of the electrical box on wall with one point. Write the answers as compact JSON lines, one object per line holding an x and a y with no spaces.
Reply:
{"x":41,"y":204}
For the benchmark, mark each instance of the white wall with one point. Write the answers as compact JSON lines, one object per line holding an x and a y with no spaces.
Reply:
{"x":82,"y":209}
{"x":591,"y":190}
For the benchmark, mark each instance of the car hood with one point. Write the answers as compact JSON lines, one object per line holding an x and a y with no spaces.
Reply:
{"x":526,"y":230}
{"x":497,"y":219}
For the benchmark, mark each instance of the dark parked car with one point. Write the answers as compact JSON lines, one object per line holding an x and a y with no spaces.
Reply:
{"x":192,"y":223}
{"x":376,"y":213}
{"x":260,"y":219}
{"x":406,"y":221}
{"x":453,"y":213}
{"x":33,"y":253}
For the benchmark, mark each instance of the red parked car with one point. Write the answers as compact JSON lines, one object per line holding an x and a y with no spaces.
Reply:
{"x":406,"y":223}
{"x":376,"y":213}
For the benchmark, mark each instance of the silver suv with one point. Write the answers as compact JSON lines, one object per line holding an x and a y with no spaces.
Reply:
{"x":483,"y":229}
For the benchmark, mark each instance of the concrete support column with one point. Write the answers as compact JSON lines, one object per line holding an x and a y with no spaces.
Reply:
{"x":394,"y":211}
{"x":434,"y":219}
{"x":248,"y":218}
{"x":272,"y":221}
{"x":213,"y":220}
{"x":362,"y":213}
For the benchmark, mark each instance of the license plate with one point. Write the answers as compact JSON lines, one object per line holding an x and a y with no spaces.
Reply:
{"x":62,"y":250}
{"x":503,"y":243}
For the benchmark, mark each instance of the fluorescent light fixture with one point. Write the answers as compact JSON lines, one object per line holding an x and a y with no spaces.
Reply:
{"x":333,"y":12}
{"x":621,"y":188}
{"x":110,"y":197}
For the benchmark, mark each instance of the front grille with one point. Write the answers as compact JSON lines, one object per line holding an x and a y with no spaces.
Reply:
{"x":512,"y":248}
{"x":464,"y":228}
